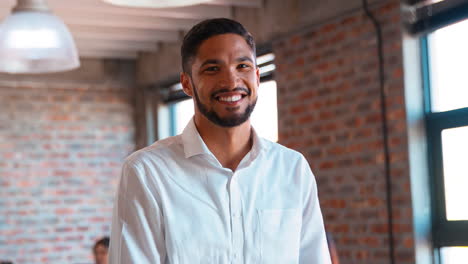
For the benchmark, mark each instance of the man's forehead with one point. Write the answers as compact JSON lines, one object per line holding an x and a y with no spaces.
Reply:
{"x":234,"y":49}
{"x":223,"y":43}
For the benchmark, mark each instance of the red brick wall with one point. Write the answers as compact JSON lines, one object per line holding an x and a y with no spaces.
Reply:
{"x":329,"y":109}
{"x":60,"y":156}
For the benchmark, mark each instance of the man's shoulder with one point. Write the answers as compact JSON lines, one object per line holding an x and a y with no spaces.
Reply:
{"x":275,"y":148}
{"x":160,"y":150}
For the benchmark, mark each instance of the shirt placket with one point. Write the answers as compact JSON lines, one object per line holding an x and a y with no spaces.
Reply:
{"x":236,"y":220}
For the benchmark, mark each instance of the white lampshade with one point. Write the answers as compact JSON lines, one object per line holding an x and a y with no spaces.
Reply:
{"x":36,"y":42}
{"x":156,"y":3}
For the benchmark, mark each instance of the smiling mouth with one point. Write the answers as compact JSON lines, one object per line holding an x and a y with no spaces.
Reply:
{"x":230,"y":99}
{"x":233,"y":96}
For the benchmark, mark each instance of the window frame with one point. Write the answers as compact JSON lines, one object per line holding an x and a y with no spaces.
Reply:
{"x":445,"y":233}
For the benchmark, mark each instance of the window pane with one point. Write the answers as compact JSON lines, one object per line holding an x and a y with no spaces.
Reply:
{"x":448,"y":55}
{"x":164,"y":121}
{"x":454,"y":255}
{"x":265,"y":58}
{"x":265,"y":116}
{"x":455,"y":152}
{"x":183,"y":112}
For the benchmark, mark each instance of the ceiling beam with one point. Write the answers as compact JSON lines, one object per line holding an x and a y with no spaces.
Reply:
{"x":188,"y":12}
{"x":107,"y":54}
{"x":90,"y":44}
{"x":139,"y":22}
{"x":98,"y":6}
{"x":240,"y":3}
{"x":114,"y":33}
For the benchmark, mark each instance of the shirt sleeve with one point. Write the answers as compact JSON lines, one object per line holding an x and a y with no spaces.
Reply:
{"x":137,"y":233}
{"x":314,"y":248}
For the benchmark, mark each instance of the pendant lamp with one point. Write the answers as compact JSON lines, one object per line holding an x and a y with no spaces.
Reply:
{"x":156,"y":3}
{"x":33,"y":40}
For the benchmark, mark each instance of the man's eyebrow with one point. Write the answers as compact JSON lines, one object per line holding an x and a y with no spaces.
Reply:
{"x":244,"y":58}
{"x":211,"y":61}
{"x":216,"y":61}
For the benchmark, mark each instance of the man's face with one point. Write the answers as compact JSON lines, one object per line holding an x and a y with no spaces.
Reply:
{"x":101,"y":254}
{"x":224,"y":80}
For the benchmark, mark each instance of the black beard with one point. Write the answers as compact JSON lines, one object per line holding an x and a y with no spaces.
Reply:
{"x":216,"y":119}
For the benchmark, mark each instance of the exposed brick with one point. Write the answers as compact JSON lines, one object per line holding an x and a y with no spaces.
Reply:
{"x":48,"y":176}
{"x":330,"y":110}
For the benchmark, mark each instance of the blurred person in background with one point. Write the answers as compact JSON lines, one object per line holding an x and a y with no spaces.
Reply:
{"x":333,"y":250}
{"x":100,"y":251}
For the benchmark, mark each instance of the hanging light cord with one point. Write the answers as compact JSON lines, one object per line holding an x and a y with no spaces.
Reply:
{"x":383,"y":106}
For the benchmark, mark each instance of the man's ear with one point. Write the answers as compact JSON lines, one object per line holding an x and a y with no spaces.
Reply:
{"x":257,"y":72}
{"x":186,"y":82}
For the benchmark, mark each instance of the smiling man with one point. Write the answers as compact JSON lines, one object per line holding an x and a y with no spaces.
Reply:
{"x":218,"y":193}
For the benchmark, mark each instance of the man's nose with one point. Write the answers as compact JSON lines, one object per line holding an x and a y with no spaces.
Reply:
{"x":229,"y":79}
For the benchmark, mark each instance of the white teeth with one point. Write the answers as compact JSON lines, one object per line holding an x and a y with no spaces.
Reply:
{"x":233,"y":98}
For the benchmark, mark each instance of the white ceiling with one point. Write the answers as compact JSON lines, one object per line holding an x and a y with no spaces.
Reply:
{"x":102,"y":30}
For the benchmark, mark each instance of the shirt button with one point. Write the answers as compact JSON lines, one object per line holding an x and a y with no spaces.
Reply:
{"x":235,"y":256}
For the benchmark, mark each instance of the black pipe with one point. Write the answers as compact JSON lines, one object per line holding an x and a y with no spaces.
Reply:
{"x":383,"y":107}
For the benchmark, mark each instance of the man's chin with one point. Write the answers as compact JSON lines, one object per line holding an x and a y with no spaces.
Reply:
{"x":226,"y":117}
{"x":227,"y":120}
{"x":231,"y":121}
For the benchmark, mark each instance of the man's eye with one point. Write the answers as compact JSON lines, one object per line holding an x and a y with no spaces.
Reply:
{"x":211,"y":69}
{"x":243,"y":66}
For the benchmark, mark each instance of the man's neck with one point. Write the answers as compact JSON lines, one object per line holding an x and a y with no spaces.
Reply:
{"x":228,"y":144}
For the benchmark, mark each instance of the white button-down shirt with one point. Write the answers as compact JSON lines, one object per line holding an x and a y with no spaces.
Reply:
{"x":177,"y":204}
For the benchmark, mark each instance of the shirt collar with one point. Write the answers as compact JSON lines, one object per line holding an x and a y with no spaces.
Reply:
{"x":192,"y":141}
{"x":258,"y":144}
{"x":194,"y":144}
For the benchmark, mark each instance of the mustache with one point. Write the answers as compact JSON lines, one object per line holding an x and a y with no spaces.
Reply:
{"x":237,"y":89}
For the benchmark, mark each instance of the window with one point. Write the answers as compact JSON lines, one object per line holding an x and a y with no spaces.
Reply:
{"x":446,"y":78}
{"x":264,"y":118}
{"x":448,"y":57}
{"x":455,"y":169}
{"x":454,"y":255}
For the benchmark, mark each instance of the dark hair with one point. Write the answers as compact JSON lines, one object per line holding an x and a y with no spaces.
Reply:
{"x":207,"y":29}
{"x":102,"y":242}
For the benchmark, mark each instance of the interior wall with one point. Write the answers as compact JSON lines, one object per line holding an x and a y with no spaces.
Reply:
{"x":63,"y":138}
{"x":329,"y":110}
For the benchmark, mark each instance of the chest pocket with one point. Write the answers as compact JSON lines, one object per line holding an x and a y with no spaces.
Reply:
{"x":279,"y":236}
